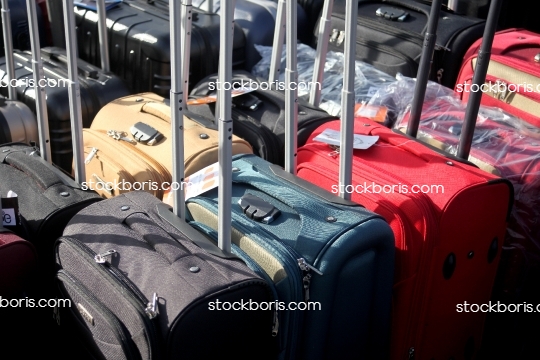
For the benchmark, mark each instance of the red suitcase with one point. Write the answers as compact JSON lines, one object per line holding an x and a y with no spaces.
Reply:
{"x":513,"y":78}
{"x":448,"y":218}
{"x":18,"y":261}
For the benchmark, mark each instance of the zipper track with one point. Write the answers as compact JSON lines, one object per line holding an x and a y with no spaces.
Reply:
{"x":129,"y":349}
{"x":127,"y":288}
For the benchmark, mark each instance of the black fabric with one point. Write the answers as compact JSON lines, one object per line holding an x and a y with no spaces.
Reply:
{"x":97,"y":90}
{"x":396,"y":46}
{"x":46,"y":204}
{"x":19,"y":26}
{"x":263,"y":128}
{"x":154,"y":257}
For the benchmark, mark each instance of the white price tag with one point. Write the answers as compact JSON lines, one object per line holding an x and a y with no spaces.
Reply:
{"x":8,"y":217}
{"x":332,"y":137}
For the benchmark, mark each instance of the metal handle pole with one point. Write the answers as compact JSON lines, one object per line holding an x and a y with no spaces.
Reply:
{"x":291,"y":92}
{"x":8,"y":47}
{"x":424,"y":69}
{"x":347,"y":100}
{"x":103,"y":39}
{"x":185,"y":31}
{"x":479,"y":77}
{"x":225,"y":126}
{"x":277,"y":46}
{"x":74,"y":92}
{"x":322,"y":48}
{"x":39,"y":91}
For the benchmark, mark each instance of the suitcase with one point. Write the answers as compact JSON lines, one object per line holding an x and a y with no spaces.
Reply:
{"x":512,"y":81}
{"x":423,"y":194}
{"x":18,"y":260}
{"x":394,"y":44}
{"x":259,"y":116}
{"x":139,"y":43}
{"x":257,"y":19}
{"x":315,"y":248}
{"x":150,"y":286}
{"x":97,"y":89}
{"x":17,"y":123}
{"x":18,"y":17}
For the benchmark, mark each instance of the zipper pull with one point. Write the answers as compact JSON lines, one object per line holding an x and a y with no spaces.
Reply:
{"x":275,"y":325}
{"x":304,"y":266}
{"x":151,"y":307}
{"x":120,"y":135}
{"x":439,"y":75}
{"x":102,"y":258}
{"x":411,"y":353}
{"x":91,"y":155}
{"x":306,"y":280}
{"x":335,"y":152}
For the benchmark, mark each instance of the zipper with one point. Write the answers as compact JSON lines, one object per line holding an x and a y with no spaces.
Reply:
{"x":114,"y":323}
{"x":127,"y":287}
{"x":306,"y":279}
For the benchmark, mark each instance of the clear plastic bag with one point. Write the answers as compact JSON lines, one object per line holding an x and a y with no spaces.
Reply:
{"x":502,"y":144}
{"x":367,"y":81}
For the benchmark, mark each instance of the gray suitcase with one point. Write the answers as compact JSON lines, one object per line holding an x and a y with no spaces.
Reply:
{"x":17,"y":122}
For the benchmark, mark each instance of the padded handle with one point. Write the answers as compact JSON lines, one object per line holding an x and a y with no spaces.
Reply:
{"x":34,"y":166}
{"x":160,"y":110}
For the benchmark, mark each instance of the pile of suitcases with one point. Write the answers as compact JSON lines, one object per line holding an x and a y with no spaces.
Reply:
{"x":179,"y":217}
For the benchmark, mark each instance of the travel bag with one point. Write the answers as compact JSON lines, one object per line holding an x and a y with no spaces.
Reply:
{"x":448,"y":218}
{"x":98,"y":87}
{"x":18,"y":259}
{"x":139,"y":35}
{"x":318,"y":250}
{"x":127,"y":126}
{"x":17,"y":123}
{"x":513,"y":78}
{"x":47,"y":197}
{"x":148,"y":286}
{"x":391,"y":35}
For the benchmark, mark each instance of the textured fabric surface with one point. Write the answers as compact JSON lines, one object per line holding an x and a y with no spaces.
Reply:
{"x":155,"y":257}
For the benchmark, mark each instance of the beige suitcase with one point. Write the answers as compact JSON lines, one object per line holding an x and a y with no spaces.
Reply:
{"x":125,"y":160}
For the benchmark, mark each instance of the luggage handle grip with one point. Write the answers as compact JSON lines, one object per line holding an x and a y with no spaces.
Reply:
{"x":164,"y":211}
{"x":84,"y":69}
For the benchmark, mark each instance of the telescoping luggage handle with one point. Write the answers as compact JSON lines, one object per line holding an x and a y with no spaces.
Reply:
{"x":39,"y":91}
{"x":73,"y":77}
{"x":8,"y":48}
{"x":473,"y":105}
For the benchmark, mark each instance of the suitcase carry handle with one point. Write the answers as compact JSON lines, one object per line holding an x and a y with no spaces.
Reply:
{"x":83,"y":69}
{"x":38,"y":74}
{"x":8,"y":48}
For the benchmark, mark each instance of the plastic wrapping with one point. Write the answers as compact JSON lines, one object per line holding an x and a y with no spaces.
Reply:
{"x":368,"y":79}
{"x":502,"y":144}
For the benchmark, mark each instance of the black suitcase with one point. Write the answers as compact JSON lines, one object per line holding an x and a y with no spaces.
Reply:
{"x":19,"y":25}
{"x":97,"y":90}
{"x":139,"y":42}
{"x":391,"y":37}
{"x":259,"y":116}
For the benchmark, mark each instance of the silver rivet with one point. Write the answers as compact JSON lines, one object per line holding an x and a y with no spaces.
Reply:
{"x":445,"y":18}
{"x":331,"y":219}
{"x":302,"y":113}
{"x":204,"y":136}
{"x":124,"y":208}
{"x":537,"y":58}
{"x":235,"y":169}
{"x":450,"y":163}
{"x":366,"y":124}
{"x":64,"y":194}
{"x":194,"y":269}
{"x":5,"y":150}
{"x":139,"y":99}
{"x":470,"y":255}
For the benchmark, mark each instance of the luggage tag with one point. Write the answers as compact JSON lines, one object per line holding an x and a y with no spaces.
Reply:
{"x":373,"y":112}
{"x":332,"y":138}
{"x":197,"y":183}
{"x":10,"y":210}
